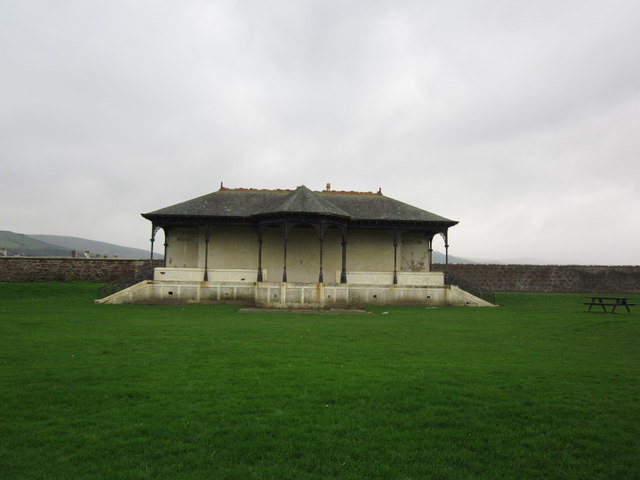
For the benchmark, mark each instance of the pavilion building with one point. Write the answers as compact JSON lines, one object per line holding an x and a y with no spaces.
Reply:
{"x":297,"y":249}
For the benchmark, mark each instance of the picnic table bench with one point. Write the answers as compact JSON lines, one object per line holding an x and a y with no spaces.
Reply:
{"x":612,"y":302}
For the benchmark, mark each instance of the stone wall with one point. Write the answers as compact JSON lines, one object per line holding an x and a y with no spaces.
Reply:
{"x":61,"y":269}
{"x":546,"y":278}
{"x":495,"y":278}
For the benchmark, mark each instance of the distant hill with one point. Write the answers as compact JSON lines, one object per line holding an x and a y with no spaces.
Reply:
{"x":20,"y":244}
{"x":440,"y":258}
{"x":61,"y":246}
{"x":94,"y":247}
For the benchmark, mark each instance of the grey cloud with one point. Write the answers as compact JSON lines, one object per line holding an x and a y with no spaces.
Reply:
{"x":514,"y":118}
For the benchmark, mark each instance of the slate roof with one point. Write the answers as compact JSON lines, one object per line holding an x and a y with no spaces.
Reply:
{"x":249,"y":204}
{"x":303,"y":201}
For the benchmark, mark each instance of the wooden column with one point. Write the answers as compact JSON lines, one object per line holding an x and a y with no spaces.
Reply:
{"x":343,"y":273}
{"x":321,"y":230}
{"x":395,"y":256}
{"x":206,"y":254}
{"x":259,"y":279}
{"x":166,"y":246}
{"x":154,"y":230}
{"x":446,"y":247}
{"x":284,"y":265}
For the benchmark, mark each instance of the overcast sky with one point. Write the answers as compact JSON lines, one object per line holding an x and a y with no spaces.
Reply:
{"x":521,"y":120}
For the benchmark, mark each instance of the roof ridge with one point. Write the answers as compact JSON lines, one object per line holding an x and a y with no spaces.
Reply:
{"x":326,"y":190}
{"x":349,"y":192}
{"x":242,"y":189}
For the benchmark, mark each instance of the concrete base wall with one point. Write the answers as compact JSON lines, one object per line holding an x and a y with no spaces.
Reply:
{"x":386,"y":278}
{"x":292,"y":295}
{"x":214,"y":275}
{"x":165,"y":274}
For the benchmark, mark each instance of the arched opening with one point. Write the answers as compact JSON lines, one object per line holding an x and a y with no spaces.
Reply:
{"x":441,"y":253}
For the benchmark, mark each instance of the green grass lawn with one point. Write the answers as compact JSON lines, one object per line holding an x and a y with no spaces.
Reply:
{"x":535,"y":389}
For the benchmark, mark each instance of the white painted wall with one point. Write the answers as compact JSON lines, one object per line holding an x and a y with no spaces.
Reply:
{"x":237,"y":248}
{"x":183,"y":246}
{"x":232,"y":248}
{"x":413,"y":253}
{"x":370,"y":251}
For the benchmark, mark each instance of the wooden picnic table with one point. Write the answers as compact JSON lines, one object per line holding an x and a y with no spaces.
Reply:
{"x":612,"y":302}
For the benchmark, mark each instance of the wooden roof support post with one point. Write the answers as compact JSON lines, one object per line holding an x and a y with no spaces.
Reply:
{"x":166,"y":245}
{"x":284,"y":264}
{"x":206,"y":253}
{"x":445,"y":236}
{"x":259,"y":279}
{"x":321,"y":231}
{"x":154,"y":230}
{"x":395,"y":256}
{"x":430,"y":247}
{"x":343,"y":273}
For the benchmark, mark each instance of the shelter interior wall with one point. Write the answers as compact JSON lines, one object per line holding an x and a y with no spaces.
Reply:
{"x":272,"y":252}
{"x":183,"y":247}
{"x":370,"y":251}
{"x":332,"y":254}
{"x":237,"y":247}
{"x":413,"y":253}
{"x":232,"y":247}
{"x":303,"y":254}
